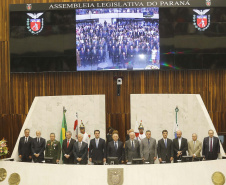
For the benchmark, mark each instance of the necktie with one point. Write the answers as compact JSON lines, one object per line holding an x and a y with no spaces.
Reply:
{"x":26,"y":140}
{"x":79,"y":145}
{"x":194,"y":145}
{"x":116,"y":146}
{"x":165,"y":143}
{"x":96,"y":143}
{"x":132,"y":146}
{"x":211,"y":145}
{"x":67,"y":143}
{"x":148,"y":142}
{"x":179,"y":143}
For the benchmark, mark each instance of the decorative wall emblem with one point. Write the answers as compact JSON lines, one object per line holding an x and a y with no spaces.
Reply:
{"x":3,"y":174}
{"x":14,"y":179}
{"x":208,"y":2}
{"x":29,"y":7}
{"x":218,"y":178}
{"x":34,"y":23}
{"x":115,"y":176}
{"x":201,"y":21}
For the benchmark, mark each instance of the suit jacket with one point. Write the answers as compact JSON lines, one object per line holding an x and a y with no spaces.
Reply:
{"x":53,"y":150}
{"x":112,"y":152}
{"x":132,"y":153}
{"x":194,"y":150}
{"x":148,"y":151}
{"x":215,"y":149}
{"x":68,"y":150}
{"x":165,"y":153}
{"x":82,"y":153}
{"x":183,"y":148}
{"x":24,"y":149}
{"x":38,"y":148}
{"x":99,"y":153}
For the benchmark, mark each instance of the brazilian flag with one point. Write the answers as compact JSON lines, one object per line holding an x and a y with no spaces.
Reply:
{"x":64,"y":128}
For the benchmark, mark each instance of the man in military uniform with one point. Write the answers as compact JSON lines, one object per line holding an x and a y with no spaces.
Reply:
{"x":141,"y":133}
{"x":53,"y":149}
{"x":85,"y":135}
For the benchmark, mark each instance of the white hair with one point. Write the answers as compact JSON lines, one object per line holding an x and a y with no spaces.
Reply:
{"x":80,"y":134}
{"x":131,"y":133}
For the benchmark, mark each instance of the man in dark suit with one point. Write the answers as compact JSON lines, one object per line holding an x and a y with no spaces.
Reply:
{"x":38,"y":148}
{"x":165,"y":148}
{"x":67,"y":149}
{"x":101,"y":55}
{"x":115,"y":148}
{"x":80,"y":151}
{"x":97,"y":149}
{"x":132,"y":148}
{"x":24,"y":149}
{"x":123,"y":59}
{"x":211,"y":146}
{"x":180,"y":146}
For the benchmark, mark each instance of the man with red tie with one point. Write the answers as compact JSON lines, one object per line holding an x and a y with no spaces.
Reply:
{"x":67,"y":149}
{"x":211,"y":146}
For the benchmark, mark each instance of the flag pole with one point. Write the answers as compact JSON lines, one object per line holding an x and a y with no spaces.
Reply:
{"x":77,"y":126}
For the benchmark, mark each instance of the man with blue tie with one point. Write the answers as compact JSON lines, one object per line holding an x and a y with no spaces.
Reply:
{"x":165,"y":148}
{"x":97,"y":149}
{"x":115,"y":148}
{"x":211,"y":146}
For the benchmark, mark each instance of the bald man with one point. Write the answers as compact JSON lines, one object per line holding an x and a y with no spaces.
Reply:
{"x":180,"y":146}
{"x":38,"y":148}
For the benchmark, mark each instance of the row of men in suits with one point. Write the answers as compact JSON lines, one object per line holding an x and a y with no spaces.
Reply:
{"x":77,"y":152}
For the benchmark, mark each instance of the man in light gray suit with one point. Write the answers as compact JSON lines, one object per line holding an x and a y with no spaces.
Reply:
{"x":148,"y":148}
{"x":132,"y":148}
{"x":194,"y":147}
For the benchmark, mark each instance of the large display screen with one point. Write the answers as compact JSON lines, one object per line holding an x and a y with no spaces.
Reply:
{"x":117,"y":38}
{"x":134,"y":38}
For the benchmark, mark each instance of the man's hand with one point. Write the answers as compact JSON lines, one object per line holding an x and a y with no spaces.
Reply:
{"x":67,"y":156}
{"x":36,"y":155}
{"x":193,"y":155}
{"x":122,"y":161}
{"x":30,"y":157}
{"x":20,"y":156}
{"x":79,"y":159}
{"x":90,"y":159}
{"x":126,"y":161}
{"x":104,"y":159}
{"x":171,"y":158}
{"x":179,"y":153}
{"x":143,"y":158}
{"x":155,"y":158}
{"x":57,"y":161}
{"x":160,"y":160}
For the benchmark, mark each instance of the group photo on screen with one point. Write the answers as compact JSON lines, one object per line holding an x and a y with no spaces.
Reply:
{"x":117,"y":38}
